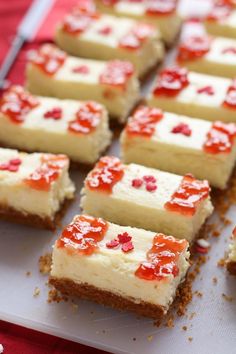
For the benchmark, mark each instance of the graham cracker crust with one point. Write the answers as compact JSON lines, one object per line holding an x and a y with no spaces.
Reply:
{"x":231,"y":267}
{"x":12,"y":215}
{"x":107,"y":298}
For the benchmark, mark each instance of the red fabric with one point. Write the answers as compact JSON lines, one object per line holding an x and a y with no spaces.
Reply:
{"x":15,"y":339}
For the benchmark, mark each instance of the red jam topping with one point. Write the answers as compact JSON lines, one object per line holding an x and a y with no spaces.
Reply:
{"x":230,"y":100}
{"x":187,"y":197}
{"x":49,"y":59}
{"x":117,"y":73}
{"x":81,"y":69}
{"x":55,"y":113}
{"x":105,"y":31}
{"x":134,"y":39}
{"x":107,"y":172}
{"x":194,"y":47}
{"x":229,"y":50}
{"x":160,"y":7}
{"x":220,"y":11}
{"x":124,"y":240}
{"x":16,"y":103}
{"x":87,"y":118}
{"x":208,"y":90}
{"x":85,"y":6}
{"x":220,"y":138}
{"x":82,"y":236}
{"x":171,"y":82}
{"x":12,"y":165}
{"x":162,"y":258}
{"x":182,"y":128}
{"x":77,"y":24}
{"x":47,"y":173}
{"x":143,"y":122}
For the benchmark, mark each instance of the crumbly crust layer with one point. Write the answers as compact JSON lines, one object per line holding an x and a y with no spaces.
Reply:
{"x":107,"y":298}
{"x":9,"y":214}
{"x":231,"y":267}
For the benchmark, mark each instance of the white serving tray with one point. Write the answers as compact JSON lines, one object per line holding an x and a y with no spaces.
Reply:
{"x":213,"y":329}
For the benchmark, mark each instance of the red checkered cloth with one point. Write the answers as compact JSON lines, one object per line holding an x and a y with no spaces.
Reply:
{"x":15,"y":339}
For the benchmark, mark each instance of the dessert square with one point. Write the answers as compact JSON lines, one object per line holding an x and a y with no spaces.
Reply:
{"x":88,"y":34}
{"x":147,"y":198}
{"x":160,"y":13}
{"x":179,"y":144}
{"x":51,"y":72}
{"x":208,"y":54}
{"x":221,"y":20}
{"x":78,"y":129}
{"x":195,"y":95}
{"x":122,"y":267}
{"x":34,"y":187}
{"x":231,"y":259}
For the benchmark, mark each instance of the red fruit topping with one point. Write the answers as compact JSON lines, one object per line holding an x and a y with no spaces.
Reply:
{"x":77,"y":24}
{"x":182,"y":128}
{"x":12,"y":165}
{"x":194,"y":47}
{"x":107,"y":172}
{"x":187,"y":197}
{"x":49,"y":58}
{"x":220,"y":138}
{"x":81,"y":69}
{"x":117,"y":73}
{"x":134,"y":39}
{"x":161,"y":7}
{"x":55,"y":113}
{"x":112,"y":244}
{"x":87,"y":119}
{"x":162,"y":258}
{"x":82,"y":235}
{"x":230,"y":100}
{"x":143,"y":122}
{"x":48,"y":172}
{"x":16,"y":103}
{"x":220,"y":11}
{"x":229,"y":50}
{"x":171,"y":82}
{"x":137,"y":183}
{"x":151,"y":187}
{"x":127,"y":247}
{"x":105,"y":31}
{"x":149,"y":178}
{"x":208,"y":90}
{"x":124,"y":238}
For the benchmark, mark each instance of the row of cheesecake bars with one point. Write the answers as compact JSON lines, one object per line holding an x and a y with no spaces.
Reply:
{"x":126,"y":267}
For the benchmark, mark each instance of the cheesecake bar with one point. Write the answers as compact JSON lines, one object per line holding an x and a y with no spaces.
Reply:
{"x":34,"y":187}
{"x":221,"y":20}
{"x":89,"y":34}
{"x":160,"y":13}
{"x":147,"y":198}
{"x":78,"y":129}
{"x":50,"y":72}
{"x":196,"y":95}
{"x":231,"y":259}
{"x":180,"y":144}
{"x":122,"y":267}
{"x":207,"y":54}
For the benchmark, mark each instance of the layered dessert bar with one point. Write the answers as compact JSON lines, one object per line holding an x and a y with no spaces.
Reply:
{"x":207,"y":54}
{"x":231,"y":259}
{"x":33,"y":123}
{"x":221,"y":20}
{"x":180,"y":144}
{"x":50,"y":72}
{"x":122,"y":267}
{"x":196,"y":95}
{"x":147,"y":198}
{"x":160,"y":13}
{"x":88,"y":34}
{"x":34,"y":187}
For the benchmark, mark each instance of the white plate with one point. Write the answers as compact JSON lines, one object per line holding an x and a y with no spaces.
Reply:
{"x":213,"y":328}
